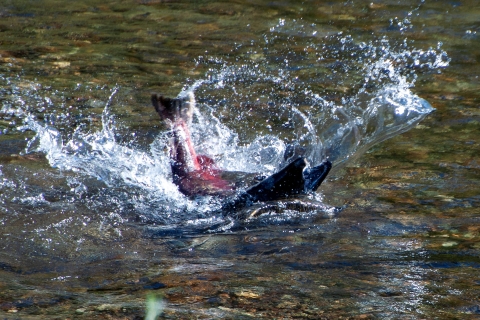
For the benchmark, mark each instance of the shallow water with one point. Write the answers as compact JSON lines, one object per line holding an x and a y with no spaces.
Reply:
{"x":91,"y":223}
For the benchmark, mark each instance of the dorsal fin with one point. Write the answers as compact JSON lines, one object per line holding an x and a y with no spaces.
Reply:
{"x":286,"y":182}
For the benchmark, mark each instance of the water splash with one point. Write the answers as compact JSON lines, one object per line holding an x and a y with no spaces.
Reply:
{"x":375,"y":102}
{"x":322,"y":91}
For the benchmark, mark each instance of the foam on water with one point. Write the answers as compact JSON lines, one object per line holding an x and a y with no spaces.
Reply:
{"x":247,"y":111}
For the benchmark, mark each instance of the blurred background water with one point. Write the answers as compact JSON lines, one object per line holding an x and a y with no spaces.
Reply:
{"x":85,"y":194}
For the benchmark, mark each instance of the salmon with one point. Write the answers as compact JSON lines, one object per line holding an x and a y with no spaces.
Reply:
{"x":198,"y":175}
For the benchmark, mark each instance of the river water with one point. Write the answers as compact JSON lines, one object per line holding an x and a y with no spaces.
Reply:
{"x":93,"y":227}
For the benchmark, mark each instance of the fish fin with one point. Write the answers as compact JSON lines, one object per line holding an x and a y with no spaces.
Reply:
{"x":315,"y":176}
{"x":286,"y":182}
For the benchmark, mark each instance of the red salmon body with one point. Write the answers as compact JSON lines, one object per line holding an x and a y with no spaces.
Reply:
{"x":194,"y":174}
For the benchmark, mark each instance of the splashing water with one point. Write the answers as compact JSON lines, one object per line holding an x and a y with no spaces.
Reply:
{"x":328,"y":94}
{"x":379,"y":103}
{"x":99,"y":155}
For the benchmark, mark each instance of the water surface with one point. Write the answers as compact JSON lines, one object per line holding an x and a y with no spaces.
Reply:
{"x":91,"y":222}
